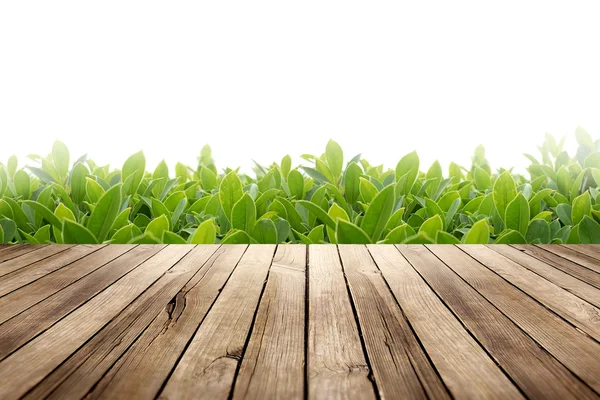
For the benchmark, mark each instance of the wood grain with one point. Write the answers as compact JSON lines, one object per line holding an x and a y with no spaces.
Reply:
{"x":29,"y":365}
{"x":584,"y":274}
{"x":20,"y":300}
{"x":535,"y":371}
{"x":9,"y":252}
{"x":30,"y":257}
{"x":22,"y":328}
{"x":591,"y":250}
{"x":295,"y":321}
{"x":336,"y":363}
{"x":575,"y":256}
{"x":273,"y":363}
{"x":35,"y":271}
{"x":575,"y":310}
{"x":103,"y":367}
{"x":575,"y":350}
{"x":466,"y":369}
{"x":556,"y":276}
{"x":400,"y":366}
{"x":210,"y":362}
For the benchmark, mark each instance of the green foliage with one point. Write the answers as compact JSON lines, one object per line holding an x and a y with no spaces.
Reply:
{"x":327,"y":199}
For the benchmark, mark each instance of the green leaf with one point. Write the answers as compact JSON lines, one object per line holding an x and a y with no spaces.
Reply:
{"x":478,"y":234}
{"x":43,"y":234}
{"x":431,"y":226}
{"x":505,"y":190}
{"x":94,"y":190}
{"x":204,"y":234}
{"x":335,"y":158}
{"x":378,"y":214}
{"x":335,"y":212}
{"x":483,"y":180}
{"x":243,"y":215}
{"x":230,"y":192}
{"x":317,"y":234}
{"x":45,"y":213}
{"x":105,"y":213}
{"x":582,"y":206}
{"x":316,"y":175}
{"x":283,"y":230}
{"x":286,"y":166}
{"x":323,"y":168}
{"x":446,"y":238}
{"x":510,"y":236}
{"x":174,"y":199}
{"x":399,"y":234}
{"x":78,"y":183}
{"x":589,"y":231}
{"x":136,"y":166}
{"x":208,"y":179}
{"x":9,"y":229}
{"x":146,"y":238}
{"x":319,"y":212}
{"x":64,"y":196}
{"x":158,"y":226}
{"x":60,"y":156}
{"x":22,"y":184}
{"x":18,"y":215}
{"x":407,"y":171}
{"x":74,"y":233}
{"x":296,"y":184}
{"x":517,"y":214}
{"x":12,"y":165}
{"x":122,"y":219}
{"x":419,"y":238}
{"x":237,"y":237}
{"x":538,"y":232}
{"x":584,"y":138}
{"x":352,"y":183}
{"x":265,"y":232}
{"x":172,"y":238}
{"x":348,"y":233}
{"x":125,"y":234}
{"x":43,"y":175}
{"x":368,"y":191}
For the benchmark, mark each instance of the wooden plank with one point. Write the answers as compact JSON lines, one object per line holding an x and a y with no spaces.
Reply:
{"x":536,"y":372}
{"x":20,"y":300}
{"x":273,"y":363}
{"x":35,"y":271}
{"x":575,"y":310}
{"x":572,"y":255}
{"x":575,"y":350}
{"x":556,"y":276}
{"x":9,"y":252}
{"x":31,"y":257}
{"x":400,"y":367}
{"x":29,"y":365}
{"x":465,"y":368}
{"x":591,"y":250}
{"x":567,"y":266}
{"x":20,"y":329}
{"x":336,"y":363}
{"x":211,"y":360}
{"x":180,"y":297}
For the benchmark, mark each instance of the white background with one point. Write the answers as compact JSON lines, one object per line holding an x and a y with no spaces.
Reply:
{"x":258,"y":79}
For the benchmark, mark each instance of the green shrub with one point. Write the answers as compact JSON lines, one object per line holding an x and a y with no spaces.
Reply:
{"x":328,"y":200}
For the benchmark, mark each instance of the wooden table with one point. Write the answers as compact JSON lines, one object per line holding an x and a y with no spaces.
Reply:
{"x":291,"y":321}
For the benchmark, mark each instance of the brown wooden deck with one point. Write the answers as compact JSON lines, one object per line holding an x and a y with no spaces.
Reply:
{"x":293,"y":322}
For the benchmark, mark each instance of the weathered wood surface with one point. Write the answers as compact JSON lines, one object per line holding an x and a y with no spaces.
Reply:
{"x":296,"y":322}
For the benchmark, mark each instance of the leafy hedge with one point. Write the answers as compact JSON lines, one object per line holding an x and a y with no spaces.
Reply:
{"x":326,"y":200}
